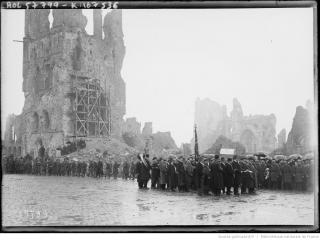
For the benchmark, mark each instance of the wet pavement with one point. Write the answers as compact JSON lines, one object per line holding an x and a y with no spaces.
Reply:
{"x":59,"y":201}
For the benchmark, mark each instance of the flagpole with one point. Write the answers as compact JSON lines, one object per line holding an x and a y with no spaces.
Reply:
{"x":196,"y":146}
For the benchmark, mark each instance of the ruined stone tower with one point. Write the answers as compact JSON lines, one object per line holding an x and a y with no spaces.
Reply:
{"x":71,"y":80}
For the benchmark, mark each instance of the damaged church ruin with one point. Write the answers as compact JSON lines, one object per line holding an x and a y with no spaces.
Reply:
{"x":71,"y":80}
{"x":255,"y":132}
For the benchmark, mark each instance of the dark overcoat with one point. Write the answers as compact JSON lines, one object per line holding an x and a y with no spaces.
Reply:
{"x":181,"y":174}
{"x":217,"y":173}
{"x":163,"y":172}
{"x":143,"y":171}
{"x":229,"y":175}
{"x":172,"y":175}
{"x":237,"y":173}
{"x":198,"y":174}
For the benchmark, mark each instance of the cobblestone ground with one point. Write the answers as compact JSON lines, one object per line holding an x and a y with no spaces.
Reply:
{"x":34,"y":200}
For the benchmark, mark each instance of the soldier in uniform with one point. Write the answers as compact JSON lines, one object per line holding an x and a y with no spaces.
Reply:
{"x":274,"y":174}
{"x":73,"y":168}
{"x":287,"y":173}
{"x":132,"y":169}
{"x":189,"y":174}
{"x":78,"y":169}
{"x":99,"y":169}
{"x":299,"y":175}
{"x":163,"y":173}
{"x":198,"y":175}
{"x":125,"y":170}
{"x":237,"y":176}
{"x":307,"y":174}
{"x":181,"y":172}
{"x":261,"y":170}
{"x":84,"y":167}
{"x":143,"y":172}
{"x":115,"y":168}
{"x":247,"y":181}
{"x":217,"y":174}
{"x":38,"y":166}
{"x":108,"y":168}
{"x":155,"y":173}
{"x":68,"y":167}
{"x":205,"y":177}
{"x":223,"y":166}
{"x":229,"y":175}
{"x":172,"y":184}
{"x":55,"y":167}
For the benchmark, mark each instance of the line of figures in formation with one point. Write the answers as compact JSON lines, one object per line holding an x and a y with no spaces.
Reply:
{"x":205,"y":175}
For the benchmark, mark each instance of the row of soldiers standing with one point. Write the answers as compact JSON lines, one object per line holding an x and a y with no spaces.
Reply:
{"x":218,"y":175}
{"x":49,"y":166}
{"x":206,"y":175}
{"x":209,"y":174}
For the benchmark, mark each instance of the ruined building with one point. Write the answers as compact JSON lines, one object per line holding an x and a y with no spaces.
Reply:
{"x":186,"y":149}
{"x":131,"y":125}
{"x":208,"y":115}
{"x":300,"y":136}
{"x":146,"y":140}
{"x":255,"y":133}
{"x":282,"y":138}
{"x":71,"y":80}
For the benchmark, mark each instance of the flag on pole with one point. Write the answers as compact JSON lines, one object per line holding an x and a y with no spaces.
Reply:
{"x":196,"y":147}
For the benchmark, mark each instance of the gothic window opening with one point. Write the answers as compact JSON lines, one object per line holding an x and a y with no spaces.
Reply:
{"x":48,"y":81}
{"x":46,"y":120}
{"x":77,"y":54}
{"x":37,"y":83}
{"x":19,"y":151}
{"x":12,"y":134}
{"x":35,"y":122}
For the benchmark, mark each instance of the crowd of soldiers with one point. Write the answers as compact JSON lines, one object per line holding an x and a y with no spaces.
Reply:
{"x":205,"y":174}
{"x":218,"y":175}
{"x":65,"y":166}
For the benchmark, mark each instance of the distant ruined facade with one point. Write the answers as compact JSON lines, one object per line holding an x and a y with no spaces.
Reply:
{"x":71,"y":80}
{"x":131,"y":125}
{"x":146,"y":140}
{"x":282,"y":138}
{"x":300,"y":138}
{"x":186,"y":149}
{"x":256,"y":133}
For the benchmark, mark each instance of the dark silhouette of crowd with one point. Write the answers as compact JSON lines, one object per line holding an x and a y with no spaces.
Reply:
{"x":205,"y":175}
{"x":218,"y":175}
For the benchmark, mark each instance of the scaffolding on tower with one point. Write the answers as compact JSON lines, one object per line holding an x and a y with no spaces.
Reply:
{"x":91,"y":108}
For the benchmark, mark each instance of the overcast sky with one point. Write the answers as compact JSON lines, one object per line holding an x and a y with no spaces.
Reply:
{"x":263,"y":57}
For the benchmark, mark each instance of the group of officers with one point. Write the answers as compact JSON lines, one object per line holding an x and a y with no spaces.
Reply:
{"x":204,"y":174}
